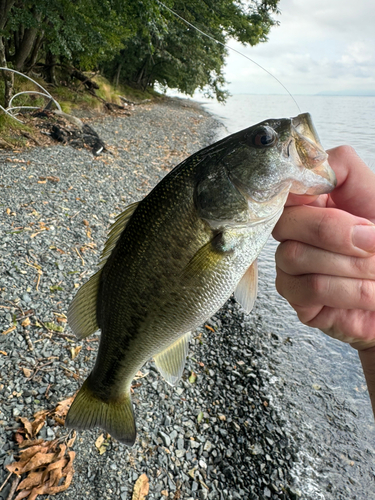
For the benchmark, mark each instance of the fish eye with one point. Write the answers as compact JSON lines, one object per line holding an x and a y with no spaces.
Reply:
{"x":264,"y":137}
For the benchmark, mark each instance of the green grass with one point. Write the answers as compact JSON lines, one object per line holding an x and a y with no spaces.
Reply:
{"x":10,"y":132}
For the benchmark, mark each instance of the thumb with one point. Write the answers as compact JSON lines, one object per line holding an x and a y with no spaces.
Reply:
{"x":355,"y":190}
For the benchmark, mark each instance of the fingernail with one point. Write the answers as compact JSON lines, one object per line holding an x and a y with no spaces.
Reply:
{"x":363,"y":237}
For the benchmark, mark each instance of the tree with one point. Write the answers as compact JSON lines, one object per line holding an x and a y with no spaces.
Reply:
{"x":167,"y":51}
{"x":138,"y":42}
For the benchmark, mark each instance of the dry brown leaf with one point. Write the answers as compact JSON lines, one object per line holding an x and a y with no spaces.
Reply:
{"x":62,"y":409}
{"x":27,"y":372}
{"x":62,"y":451}
{"x":36,"y":461}
{"x":18,"y":437}
{"x":26,"y":322}
{"x":30,"y":452}
{"x":32,"y":480}
{"x":30,"y":442}
{"x":47,"y":464}
{"x":141,"y":488}
{"x":99,"y":441}
{"x":75,"y":351}
{"x":39,"y":421}
{"x":22,"y":494}
{"x":71,"y":440}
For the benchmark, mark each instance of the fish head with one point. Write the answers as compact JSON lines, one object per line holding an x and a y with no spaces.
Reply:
{"x":280,"y":154}
{"x":251,"y":172}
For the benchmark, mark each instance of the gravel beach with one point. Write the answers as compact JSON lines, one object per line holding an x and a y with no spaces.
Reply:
{"x":218,"y":436}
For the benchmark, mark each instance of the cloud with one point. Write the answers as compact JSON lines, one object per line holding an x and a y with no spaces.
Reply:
{"x":318,"y":46}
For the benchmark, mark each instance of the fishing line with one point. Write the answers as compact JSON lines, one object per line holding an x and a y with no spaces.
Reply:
{"x":230,"y":48}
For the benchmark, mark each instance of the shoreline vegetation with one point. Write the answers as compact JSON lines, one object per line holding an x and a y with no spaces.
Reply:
{"x":75,"y":100}
{"x":217,"y":435}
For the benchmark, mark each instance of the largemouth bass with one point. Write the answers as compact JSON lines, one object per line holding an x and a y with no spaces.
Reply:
{"x":174,"y":258}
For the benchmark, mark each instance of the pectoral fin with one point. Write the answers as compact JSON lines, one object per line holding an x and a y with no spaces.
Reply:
{"x":247,"y":288}
{"x":207,"y":259}
{"x":171,"y":361}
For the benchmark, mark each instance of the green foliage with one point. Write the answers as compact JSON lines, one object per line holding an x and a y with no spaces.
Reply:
{"x":134,"y":42}
{"x":177,"y":56}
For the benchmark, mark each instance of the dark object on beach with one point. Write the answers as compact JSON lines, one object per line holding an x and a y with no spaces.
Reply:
{"x":70,"y":130}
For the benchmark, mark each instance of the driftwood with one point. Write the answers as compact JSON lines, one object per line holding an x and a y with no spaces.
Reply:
{"x":68,"y":129}
{"x":131,"y":103}
{"x":74,"y":73}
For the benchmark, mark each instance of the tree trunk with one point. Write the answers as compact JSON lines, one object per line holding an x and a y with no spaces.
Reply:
{"x":34,"y":55}
{"x":26,"y":44}
{"x":5,"y":6}
{"x":50,"y":66}
{"x":7,"y":75}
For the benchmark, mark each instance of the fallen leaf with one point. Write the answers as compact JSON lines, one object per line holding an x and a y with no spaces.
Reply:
{"x":74,"y":351}
{"x":27,"y":372}
{"x":4,"y":353}
{"x":18,"y":437}
{"x":27,"y":425}
{"x":193,"y":377}
{"x":99,"y":441}
{"x":62,"y":409}
{"x":200,"y":417}
{"x":141,"y":488}
{"x":26,"y":322}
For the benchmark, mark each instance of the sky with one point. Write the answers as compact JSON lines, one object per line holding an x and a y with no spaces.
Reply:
{"x":320,"y":46}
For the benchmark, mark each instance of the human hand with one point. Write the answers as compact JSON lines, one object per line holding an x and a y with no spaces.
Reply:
{"x":326,"y":260}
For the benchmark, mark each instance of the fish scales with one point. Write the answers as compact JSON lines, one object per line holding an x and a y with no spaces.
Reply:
{"x":173,"y":259}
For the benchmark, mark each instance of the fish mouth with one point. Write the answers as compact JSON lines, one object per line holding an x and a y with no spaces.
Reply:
{"x":305,"y":148}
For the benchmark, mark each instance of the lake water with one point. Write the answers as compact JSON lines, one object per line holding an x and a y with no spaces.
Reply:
{"x":323,"y":395}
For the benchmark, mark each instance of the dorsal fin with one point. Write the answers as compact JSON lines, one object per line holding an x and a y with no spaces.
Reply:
{"x":82,"y":310}
{"x":115,"y":231}
{"x":171,"y":361}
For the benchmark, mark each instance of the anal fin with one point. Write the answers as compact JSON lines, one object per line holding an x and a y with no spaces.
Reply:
{"x":171,"y":361}
{"x":247,"y":288}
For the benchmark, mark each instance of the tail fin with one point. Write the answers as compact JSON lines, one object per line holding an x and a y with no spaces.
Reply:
{"x":116,"y":417}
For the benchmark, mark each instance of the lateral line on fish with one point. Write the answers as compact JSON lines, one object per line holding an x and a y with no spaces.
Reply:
{"x":233,"y":50}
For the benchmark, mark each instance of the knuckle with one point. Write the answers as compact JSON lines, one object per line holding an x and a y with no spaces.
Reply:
{"x":289,"y":255}
{"x":359,"y":266}
{"x":367,"y":293}
{"x":318,"y":286}
{"x":347,"y":150}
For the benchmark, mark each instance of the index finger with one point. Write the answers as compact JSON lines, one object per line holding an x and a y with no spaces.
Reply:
{"x":355,"y":190}
{"x":327,"y":228}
